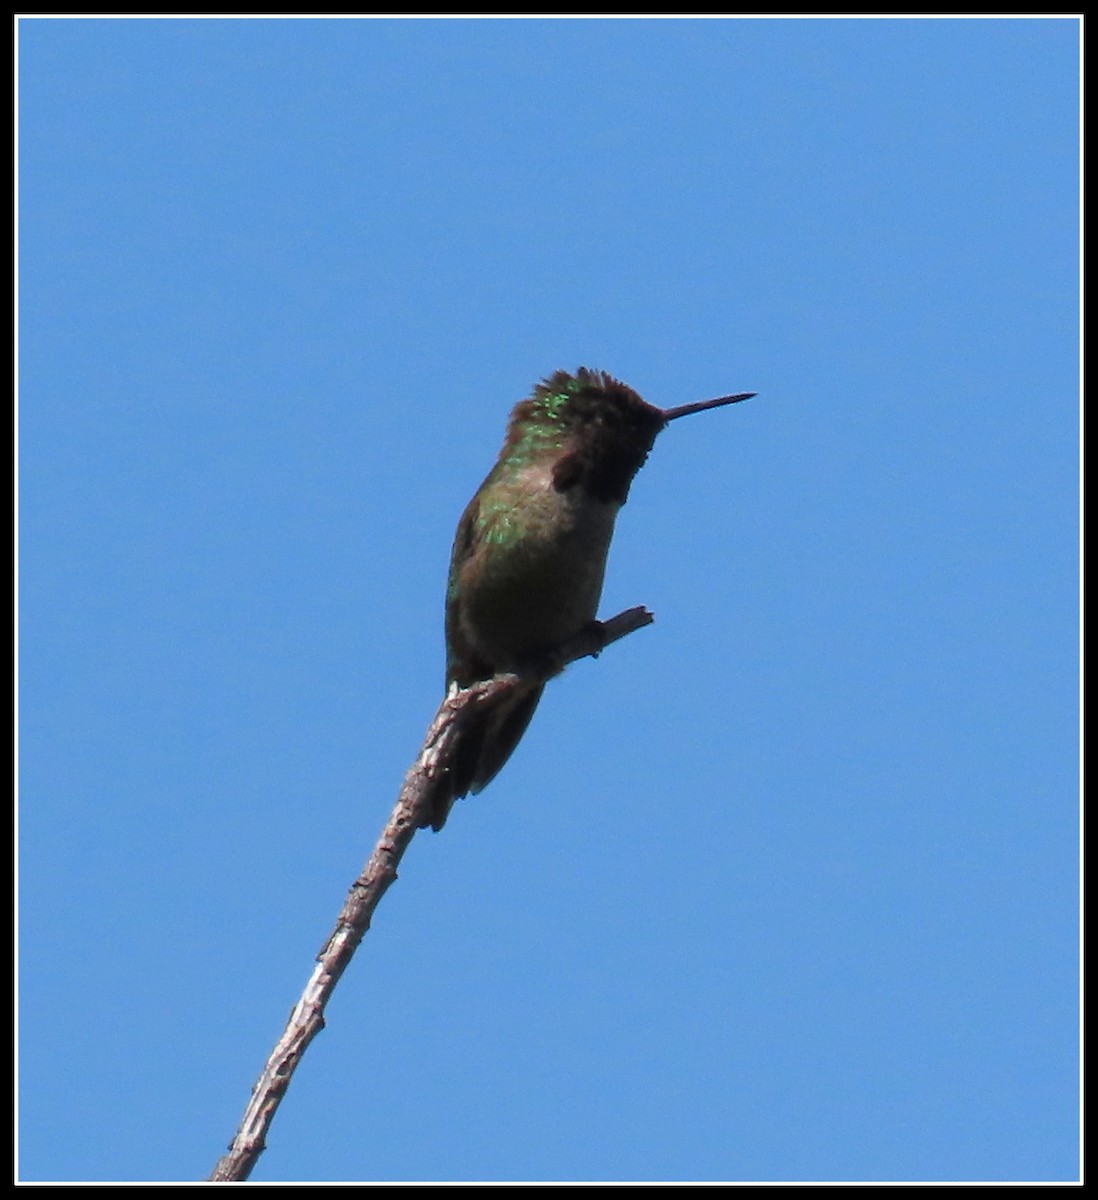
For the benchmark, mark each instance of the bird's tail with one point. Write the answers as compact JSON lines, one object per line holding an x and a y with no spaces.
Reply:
{"x":484,"y":745}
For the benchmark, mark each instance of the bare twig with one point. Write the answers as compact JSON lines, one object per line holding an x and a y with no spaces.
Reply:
{"x":413,"y":806}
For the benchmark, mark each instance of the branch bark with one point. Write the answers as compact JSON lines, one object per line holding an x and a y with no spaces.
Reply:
{"x":411,"y":812}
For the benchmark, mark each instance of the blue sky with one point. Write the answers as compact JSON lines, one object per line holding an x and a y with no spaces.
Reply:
{"x":784,"y":887}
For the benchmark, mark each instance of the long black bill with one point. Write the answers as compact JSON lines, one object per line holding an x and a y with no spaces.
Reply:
{"x":684,"y":410}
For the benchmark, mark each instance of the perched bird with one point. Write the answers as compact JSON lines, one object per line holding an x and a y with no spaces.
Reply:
{"x":530,"y":551}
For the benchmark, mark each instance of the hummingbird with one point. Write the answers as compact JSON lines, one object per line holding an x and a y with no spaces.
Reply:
{"x":529,"y":556}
